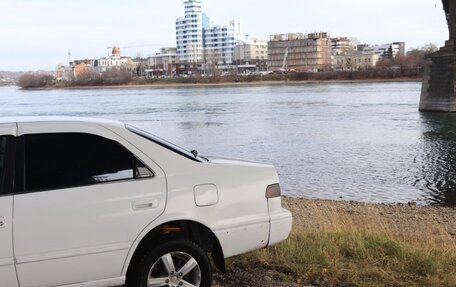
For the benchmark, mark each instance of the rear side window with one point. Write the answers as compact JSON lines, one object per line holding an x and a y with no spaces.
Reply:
{"x":65,"y":160}
{"x":3,"y":141}
{"x":4,"y":145}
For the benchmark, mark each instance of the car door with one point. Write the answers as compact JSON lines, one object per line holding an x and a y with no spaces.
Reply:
{"x":87,"y":195}
{"x":7,"y":270}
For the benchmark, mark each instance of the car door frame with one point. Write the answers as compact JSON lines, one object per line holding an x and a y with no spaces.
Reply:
{"x":29,"y":263}
{"x":7,"y":264}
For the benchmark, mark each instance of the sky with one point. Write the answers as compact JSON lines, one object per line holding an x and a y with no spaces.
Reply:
{"x":37,"y":34}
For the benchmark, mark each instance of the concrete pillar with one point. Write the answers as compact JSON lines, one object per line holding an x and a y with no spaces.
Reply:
{"x":438,"y":91}
{"x":451,"y":16}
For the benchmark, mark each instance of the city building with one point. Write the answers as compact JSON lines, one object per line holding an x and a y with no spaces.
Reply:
{"x":163,"y":63}
{"x":115,"y":61}
{"x":354,"y":61}
{"x":306,"y":53}
{"x":203,"y":44}
{"x":340,"y":45}
{"x":251,"y":54}
{"x":219,"y":43}
{"x":80,"y":67}
{"x":189,"y":33}
{"x":385,"y":50}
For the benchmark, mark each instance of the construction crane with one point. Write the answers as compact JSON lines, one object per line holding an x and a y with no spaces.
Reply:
{"x":284,"y":64}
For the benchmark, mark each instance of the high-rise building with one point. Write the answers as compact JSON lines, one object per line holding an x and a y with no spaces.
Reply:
{"x":199,"y":41}
{"x":189,"y":33}
{"x":219,"y":43}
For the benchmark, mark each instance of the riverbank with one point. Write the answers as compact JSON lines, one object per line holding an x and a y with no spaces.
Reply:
{"x":120,"y":78}
{"x":160,"y":85}
{"x":338,"y":243}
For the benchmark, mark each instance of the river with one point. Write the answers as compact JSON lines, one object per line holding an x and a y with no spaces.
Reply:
{"x":352,"y":141}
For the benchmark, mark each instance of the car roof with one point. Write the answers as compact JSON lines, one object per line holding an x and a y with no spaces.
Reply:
{"x":59,"y":119}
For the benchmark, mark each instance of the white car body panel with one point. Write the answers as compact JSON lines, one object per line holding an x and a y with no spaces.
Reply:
{"x":97,"y":228}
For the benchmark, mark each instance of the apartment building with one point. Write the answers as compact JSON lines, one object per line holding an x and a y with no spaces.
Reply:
{"x":354,"y":61}
{"x":340,"y":45}
{"x":251,"y":53}
{"x":307,"y":53}
{"x":385,"y":50}
{"x":189,"y":33}
{"x":162,"y":63}
{"x":219,"y":43}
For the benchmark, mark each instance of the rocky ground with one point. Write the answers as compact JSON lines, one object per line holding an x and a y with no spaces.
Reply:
{"x":419,"y":225}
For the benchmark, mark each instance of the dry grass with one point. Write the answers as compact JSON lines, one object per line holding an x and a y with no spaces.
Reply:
{"x":419,"y":226}
{"x":356,"y":259}
{"x":354,"y":244}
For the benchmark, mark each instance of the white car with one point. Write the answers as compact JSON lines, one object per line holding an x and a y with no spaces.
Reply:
{"x":88,"y":202}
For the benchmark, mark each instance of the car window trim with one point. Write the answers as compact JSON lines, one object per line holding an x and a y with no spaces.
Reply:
{"x":163,"y":143}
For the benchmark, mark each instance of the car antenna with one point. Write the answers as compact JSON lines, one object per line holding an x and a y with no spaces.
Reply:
{"x":195,"y":153}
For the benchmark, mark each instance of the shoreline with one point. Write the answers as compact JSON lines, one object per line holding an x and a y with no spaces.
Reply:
{"x":231,"y":84}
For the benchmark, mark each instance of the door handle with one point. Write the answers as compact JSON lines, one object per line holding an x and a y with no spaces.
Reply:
{"x":145,"y":204}
{"x":2,"y":222}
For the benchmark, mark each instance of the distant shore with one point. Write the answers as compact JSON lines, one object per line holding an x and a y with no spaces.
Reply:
{"x":231,"y":84}
{"x":124,"y":79}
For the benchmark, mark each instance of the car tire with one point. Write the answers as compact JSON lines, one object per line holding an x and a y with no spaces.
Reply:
{"x":174,"y":263}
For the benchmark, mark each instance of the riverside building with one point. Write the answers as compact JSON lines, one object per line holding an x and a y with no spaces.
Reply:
{"x":163,"y":63}
{"x":251,"y":54}
{"x":385,"y":50}
{"x":340,"y":45}
{"x":306,"y":53}
{"x":355,"y":61}
{"x":114,"y":62}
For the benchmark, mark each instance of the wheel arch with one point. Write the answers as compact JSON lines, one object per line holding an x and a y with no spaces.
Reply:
{"x":178,"y":229}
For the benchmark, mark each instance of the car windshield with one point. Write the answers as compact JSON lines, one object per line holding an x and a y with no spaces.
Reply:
{"x":164,"y":143}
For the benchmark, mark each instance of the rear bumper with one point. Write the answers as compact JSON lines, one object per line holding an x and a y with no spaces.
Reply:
{"x":280,"y":226}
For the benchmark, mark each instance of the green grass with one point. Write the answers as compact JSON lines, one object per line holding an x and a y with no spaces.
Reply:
{"x":356,"y":259}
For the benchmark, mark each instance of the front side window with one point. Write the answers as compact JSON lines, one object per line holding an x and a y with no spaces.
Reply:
{"x":65,"y":160}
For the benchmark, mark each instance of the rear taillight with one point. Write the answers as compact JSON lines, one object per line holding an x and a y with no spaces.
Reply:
{"x":273,"y":191}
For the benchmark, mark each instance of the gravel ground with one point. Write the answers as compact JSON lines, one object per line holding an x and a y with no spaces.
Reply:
{"x":425,"y":225}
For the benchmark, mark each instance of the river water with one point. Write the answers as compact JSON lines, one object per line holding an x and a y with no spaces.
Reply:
{"x":364,"y":142}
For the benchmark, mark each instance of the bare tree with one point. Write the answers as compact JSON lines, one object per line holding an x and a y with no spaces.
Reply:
{"x":88,"y":78}
{"x":34,"y":80}
{"x":116,"y":77}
